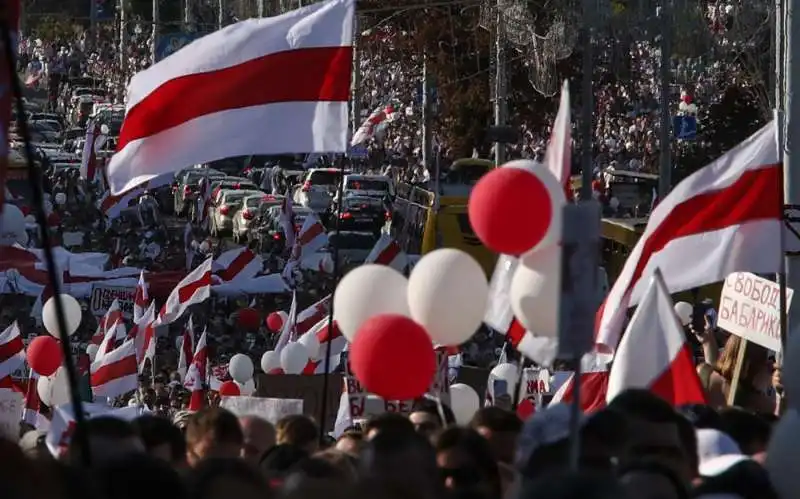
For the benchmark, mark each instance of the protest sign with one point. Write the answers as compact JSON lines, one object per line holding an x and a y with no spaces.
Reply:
{"x":10,"y":412}
{"x":104,"y":295}
{"x":749,"y":308}
{"x":273,"y":410}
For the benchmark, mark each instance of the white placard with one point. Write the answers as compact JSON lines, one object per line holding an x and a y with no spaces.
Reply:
{"x":749,"y":308}
{"x":103,"y":296}
{"x":10,"y":413}
{"x":273,"y":410}
{"x":71,"y":239}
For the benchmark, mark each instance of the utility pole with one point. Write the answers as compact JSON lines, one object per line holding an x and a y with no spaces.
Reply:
{"x":156,"y":21}
{"x":500,"y":83}
{"x":93,"y":22}
{"x":355,"y":93}
{"x":791,"y":151}
{"x":261,"y":9}
{"x":665,"y":138}
{"x":123,"y":39}
{"x":221,"y":16}
{"x":427,"y":145}
{"x":187,"y":14}
{"x":587,"y":100}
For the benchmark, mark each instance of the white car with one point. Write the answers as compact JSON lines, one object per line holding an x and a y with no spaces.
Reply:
{"x":250,"y":208}
{"x":223,"y":209}
{"x":318,"y":188}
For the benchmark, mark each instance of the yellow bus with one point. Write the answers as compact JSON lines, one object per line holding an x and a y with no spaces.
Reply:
{"x":423,"y":221}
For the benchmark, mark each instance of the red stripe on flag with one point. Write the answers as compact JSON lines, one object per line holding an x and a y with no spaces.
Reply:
{"x":312,"y":232}
{"x":388,"y":254}
{"x":324,"y":337}
{"x":186,"y":292}
{"x":311,"y":367}
{"x":515,"y":333}
{"x":754,"y":196}
{"x":326,"y":77}
{"x":11,"y":348}
{"x":124,"y":367}
{"x":238,"y":264}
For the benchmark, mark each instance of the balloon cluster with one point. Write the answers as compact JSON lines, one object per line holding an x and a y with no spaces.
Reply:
{"x":517,"y":210}
{"x":240,"y":367}
{"x":392,"y":322}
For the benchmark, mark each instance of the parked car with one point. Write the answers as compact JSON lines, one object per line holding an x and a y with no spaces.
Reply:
{"x":359,"y":213}
{"x":268,"y":230}
{"x":223,"y":208}
{"x":318,"y":188}
{"x":378,"y":186}
{"x":185,"y":190}
{"x":247,"y":214}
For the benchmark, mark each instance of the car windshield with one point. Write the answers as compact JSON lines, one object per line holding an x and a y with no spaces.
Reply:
{"x":352,"y":240}
{"x":234,"y":198}
{"x":363,"y":203}
{"x":362,"y":184}
{"x":324,"y":177}
{"x":253,"y":202}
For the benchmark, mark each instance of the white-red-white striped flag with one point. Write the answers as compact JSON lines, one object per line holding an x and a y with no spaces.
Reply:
{"x":312,"y":236}
{"x":238,"y":263}
{"x":194,"y":288}
{"x":212,"y":99}
{"x":32,"y":411}
{"x":12,"y":350}
{"x":197,"y":374}
{"x":141,"y":299}
{"x":387,"y":251}
{"x":115,"y":373}
{"x":187,"y":348}
{"x":111,"y":317}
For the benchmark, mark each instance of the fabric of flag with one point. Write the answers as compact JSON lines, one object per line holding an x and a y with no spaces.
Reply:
{"x":34,"y":409}
{"x":312,"y":236}
{"x":193,"y":289}
{"x":218,"y":97}
{"x":187,"y":348}
{"x":558,"y":156}
{"x":288,"y":326}
{"x":197,"y":374}
{"x":115,"y":373}
{"x":371,"y":126}
{"x":112,"y":316}
{"x":12,"y":350}
{"x":236,"y":264}
{"x":287,"y":219}
{"x":387,"y":251}
{"x":141,"y":299}
{"x":143,"y":334}
{"x":729,"y":212}
{"x":94,"y":139}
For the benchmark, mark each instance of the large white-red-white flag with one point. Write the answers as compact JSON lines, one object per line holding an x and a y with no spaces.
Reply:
{"x":111,"y":317}
{"x":12,"y":350}
{"x":653,"y":353}
{"x":219,"y":96}
{"x":558,"y":156}
{"x":197,"y":374}
{"x":116,"y":373}
{"x":194,"y":288}
{"x":726,"y":217}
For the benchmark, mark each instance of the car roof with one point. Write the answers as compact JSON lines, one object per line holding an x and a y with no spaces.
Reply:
{"x":357,"y":176}
{"x":352,"y":233}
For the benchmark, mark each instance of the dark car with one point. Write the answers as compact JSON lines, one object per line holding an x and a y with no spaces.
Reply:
{"x":267,"y":229}
{"x":359,"y":213}
{"x":187,"y":185}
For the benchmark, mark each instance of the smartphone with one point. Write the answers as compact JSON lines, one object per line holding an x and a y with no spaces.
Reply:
{"x":699,"y":316}
{"x":499,"y":388}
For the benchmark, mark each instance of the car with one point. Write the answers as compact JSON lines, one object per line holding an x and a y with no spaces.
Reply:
{"x":359,"y":213}
{"x":247,"y":215}
{"x":268,"y":230}
{"x":318,"y":188}
{"x":224,"y":207}
{"x":186,"y":187}
{"x":237,"y":183}
{"x":378,"y":186}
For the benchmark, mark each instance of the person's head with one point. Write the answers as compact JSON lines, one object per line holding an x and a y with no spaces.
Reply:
{"x":279,"y":460}
{"x":161,"y":439}
{"x":466,"y":462}
{"x":756,"y":368}
{"x":404,"y":459}
{"x":299,"y":431}
{"x":259,"y":436}
{"x":652,"y":480}
{"x":388,"y":422}
{"x":139,"y":475}
{"x":570,"y":485}
{"x":345,"y":464}
{"x":501,"y":428}
{"x":212,"y":432}
{"x":224,"y":478}
{"x":109,"y":438}
{"x":701,"y":416}
{"x":652,"y":431}
{"x":750,"y":431}
{"x":350,"y":442}
{"x":426,"y":418}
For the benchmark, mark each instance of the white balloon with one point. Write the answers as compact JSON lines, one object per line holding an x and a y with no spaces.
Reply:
{"x":294,"y":358}
{"x":447,"y":294}
{"x":61,"y":198}
{"x":72,"y":315}
{"x":270,"y":361}
{"x":91,"y":351}
{"x":367,"y":291}
{"x":247,"y":388}
{"x":558,"y":199}
{"x":241,"y":368}
{"x":507,"y":372}
{"x":30,"y":219}
{"x":53,"y":390}
{"x":781,"y":465}
{"x":464,"y":402}
{"x":311,"y":342}
{"x":12,"y":226}
{"x":536,"y":290}
{"x":684,"y":312}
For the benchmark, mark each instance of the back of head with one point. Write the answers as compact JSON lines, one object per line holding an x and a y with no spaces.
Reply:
{"x":280,"y":459}
{"x":297,"y":430}
{"x":431,"y":407}
{"x":219,"y":478}
{"x":161,"y":438}
{"x":469,"y":444}
{"x":388,"y":422}
{"x":572,"y":485}
{"x":109,"y":438}
{"x":701,"y":416}
{"x":400,"y":458}
{"x":213,"y":432}
{"x":749,"y":430}
{"x":138,"y":475}
{"x":643,"y":404}
{"x":496,"y":419}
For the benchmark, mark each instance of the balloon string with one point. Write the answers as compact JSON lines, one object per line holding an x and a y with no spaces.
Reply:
{"x":34,"y":178}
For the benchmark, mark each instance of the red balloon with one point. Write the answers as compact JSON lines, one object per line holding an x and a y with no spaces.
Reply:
{"x":249,"y":318}
{"x":393,"y":357}
{"x":510,"y":210}
{"x":229,"y":389}
{"x":44,"y":355}
{"x":525,"y":409}
{"x":275,"y":321}
{"x":687,"y":99}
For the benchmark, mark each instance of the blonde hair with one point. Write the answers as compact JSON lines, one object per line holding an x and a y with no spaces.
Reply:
{"x":754,"y":358}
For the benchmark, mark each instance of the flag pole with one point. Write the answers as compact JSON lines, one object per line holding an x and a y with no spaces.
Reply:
{"x":38,"y":198}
